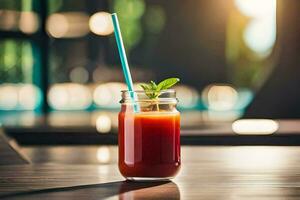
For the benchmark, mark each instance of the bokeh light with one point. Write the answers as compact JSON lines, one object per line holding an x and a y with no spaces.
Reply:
{"x":79,"y":75}
{"x":67,"y":25}
{"x":260,"y":35}
{"x":29,"y":22}
{"x":255,"y":126}
{"x":220,"y":97}
{"x":29,"y":97}
{"x":108,"y":94}
{"x":69,"y":96}
{"x":103,"y":154}
{"x":260,"y":32}
{"x":255,"y":158}
{"x":57,"y":25}
{"x":101,"y":23}
{"x":103,"y":123}
{"x":8,"y":97}
{"x":19,"y":97}
{"x":256,"y":8}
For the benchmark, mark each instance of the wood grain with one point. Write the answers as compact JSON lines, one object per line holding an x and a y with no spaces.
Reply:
{"x":9,"y":152}
{"x":241,"y":172}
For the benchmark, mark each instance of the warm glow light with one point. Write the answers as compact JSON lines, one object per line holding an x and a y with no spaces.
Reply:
{"x":255,"y":126}
{"x":19,"y":97}
{"x":256,"y":8}
{"x":27,"y":119}
{"x":12,"y":20}
{"x":58,"y":97}
{"x":69,"y":96}
{"x":104,"y":121}
{"x":67,"y":25}
{"x":101,"y":24}
{"x":29,"y":97}
{"x":57,"y":25}
{"x":102,"y":95}
{"x":103,"y":155}
{"x":260,"y":33}
{"x":220,"y":97}
{"x":108,"y":94}
{"x":255,"y":158}
{"x":8,"y":97}
{"x":103,"y":170}
{"x":28,"y":22}
{"x":103,"y":124}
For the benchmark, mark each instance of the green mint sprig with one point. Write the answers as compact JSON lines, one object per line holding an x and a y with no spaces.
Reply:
{"x":153,"y":90}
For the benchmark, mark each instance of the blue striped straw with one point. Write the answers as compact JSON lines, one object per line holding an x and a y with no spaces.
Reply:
{"x":123,"y":58}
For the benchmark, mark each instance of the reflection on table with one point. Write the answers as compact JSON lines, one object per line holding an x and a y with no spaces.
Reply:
{"x":214,"y":172}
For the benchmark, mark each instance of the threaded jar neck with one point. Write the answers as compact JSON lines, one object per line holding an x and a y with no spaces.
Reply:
{"x":139,"y":96}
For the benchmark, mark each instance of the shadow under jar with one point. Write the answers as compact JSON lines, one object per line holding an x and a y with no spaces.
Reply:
{"x":149,"y":136}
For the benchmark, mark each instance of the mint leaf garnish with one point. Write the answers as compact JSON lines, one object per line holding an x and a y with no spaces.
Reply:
{"x":153,"y":90}
{"x":167,"y":83}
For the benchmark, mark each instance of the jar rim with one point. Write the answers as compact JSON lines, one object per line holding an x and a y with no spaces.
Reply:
{"x":166,"y":96}
{"x":143,"y":91}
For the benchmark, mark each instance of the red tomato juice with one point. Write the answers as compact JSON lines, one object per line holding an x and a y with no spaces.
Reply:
{"x":149,"y":144}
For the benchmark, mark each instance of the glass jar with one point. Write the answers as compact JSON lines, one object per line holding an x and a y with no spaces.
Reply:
{"x":149,"y":136}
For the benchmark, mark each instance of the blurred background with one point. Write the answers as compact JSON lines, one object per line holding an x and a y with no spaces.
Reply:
{"x":59,"y":64}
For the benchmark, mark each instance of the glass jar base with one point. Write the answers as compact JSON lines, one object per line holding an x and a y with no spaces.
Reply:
{"x":148,"y":179}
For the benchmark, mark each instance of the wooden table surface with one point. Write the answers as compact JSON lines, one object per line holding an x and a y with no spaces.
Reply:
{"x":9,"y":151}
{"x":215,"y":172}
